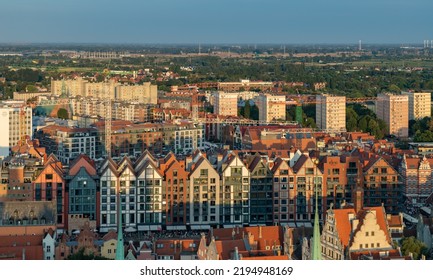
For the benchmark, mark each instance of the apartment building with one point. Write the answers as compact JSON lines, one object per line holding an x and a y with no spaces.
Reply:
{"x":261,"y":194}
{"x":283,"y":183}
{"x":245,"y":85}
{"x":383,"y":184}
{"x":226,"y":104}
{"x":175,"y":193}
{"x":83,"y":195}
{"x":419,"y":104}
{"x":16,"y":124}
{"x":235,"y":190}
{"x":331,"y":113}
{"x":50,"y":185}
{"x":204,"y":193}
{"x":394,"y":110}
{"x":145,"y":93}
{"x":68,"y":143}
{"x":271,"y":107}
{"x":417,"y":177}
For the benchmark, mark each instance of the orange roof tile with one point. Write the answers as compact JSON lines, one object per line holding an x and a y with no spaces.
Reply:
{"x":343,"y":225}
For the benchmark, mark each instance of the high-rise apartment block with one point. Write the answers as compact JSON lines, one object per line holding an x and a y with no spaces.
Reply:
{"x":226,"y":104}
{"x":271,"y":107}
{"x":419,"y":104}
{"x":393,"y":109}
{"x":331,"y":113}
{"x":145,"y":93}
{"x":15,"y":122}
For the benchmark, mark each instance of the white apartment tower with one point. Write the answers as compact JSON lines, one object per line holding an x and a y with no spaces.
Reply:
{"x":226,"y":104}
{"x":15,"y":122}
{"x":419,"y":104}
{"x":393,"y":109}
{"x":271,"y":107}
{"x":331,"y":113}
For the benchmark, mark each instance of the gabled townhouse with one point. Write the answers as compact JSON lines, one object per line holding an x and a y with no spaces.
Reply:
{"x":175,"y":193}
{"x":82,"y":183}
{"x":350,"y":232}
{"x":417,"y":178}
{"x":235,"y":190}
{"x":283,"y":192}
{"x":308,"y":178}
{"x":383,"y":184}
{"x":149,"y":190}
{"x":50,"y":185}
{"x":204,"y":197}
{"x":261,"y":194}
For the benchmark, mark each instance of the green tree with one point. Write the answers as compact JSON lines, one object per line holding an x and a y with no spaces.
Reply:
{"x":351,"y":119}
{"x":254,"y":112}
{"x":247,"y":109}
{"x":394,"y":88}
{"x":362,"y":124}
{"x":62,"y":113}
{"x":414,"y":246}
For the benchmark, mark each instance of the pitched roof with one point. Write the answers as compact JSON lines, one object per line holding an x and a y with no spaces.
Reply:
{"x":343,"y":224}
{"x":226,"y":247}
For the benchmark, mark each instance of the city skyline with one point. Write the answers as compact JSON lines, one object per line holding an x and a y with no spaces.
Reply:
{"x":245,"y":22}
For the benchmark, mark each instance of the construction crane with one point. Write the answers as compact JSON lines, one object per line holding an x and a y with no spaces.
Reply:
{"x":108,"y":122}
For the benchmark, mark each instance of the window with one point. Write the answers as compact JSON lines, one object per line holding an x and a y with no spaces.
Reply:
{"x":48,"y":176}
{"x":203,"y":172}
{"x":48,"y":249}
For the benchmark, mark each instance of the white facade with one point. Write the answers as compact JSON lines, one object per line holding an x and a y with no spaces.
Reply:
{"x":271,"y":107}
{"x":15,"y":123}
{"x":226,"y":104}
{"x":49,"y":246}
{"x":71,"y":146}
{"x":204,"y":195}
{"x":419,"y":104}
{"x":331,"y":113}
{"x":188,"y":138}
{"x":235,"y":189}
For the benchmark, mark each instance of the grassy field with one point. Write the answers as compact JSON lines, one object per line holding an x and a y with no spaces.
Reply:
{"x":393,"y":63}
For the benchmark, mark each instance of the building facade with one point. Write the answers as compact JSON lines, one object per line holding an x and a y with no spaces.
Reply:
{"x":16,"y":123}
{"x":271,"y":107}
{"x":394,"y":110}
{"x":331,"y":113}
{"x":419,"y":104}
{"x":226,"y":104}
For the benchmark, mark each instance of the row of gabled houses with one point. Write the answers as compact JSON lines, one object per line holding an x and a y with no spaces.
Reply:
{"x":226,"y":189}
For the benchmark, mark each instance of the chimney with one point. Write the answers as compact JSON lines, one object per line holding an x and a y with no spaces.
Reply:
{"x":358,"y":199}
{"x":219,"y":158}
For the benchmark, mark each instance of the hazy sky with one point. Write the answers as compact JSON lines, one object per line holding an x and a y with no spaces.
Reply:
{"x":216,"y":21}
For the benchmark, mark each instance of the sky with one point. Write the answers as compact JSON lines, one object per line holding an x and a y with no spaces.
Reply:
{"x":216,"y":21}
